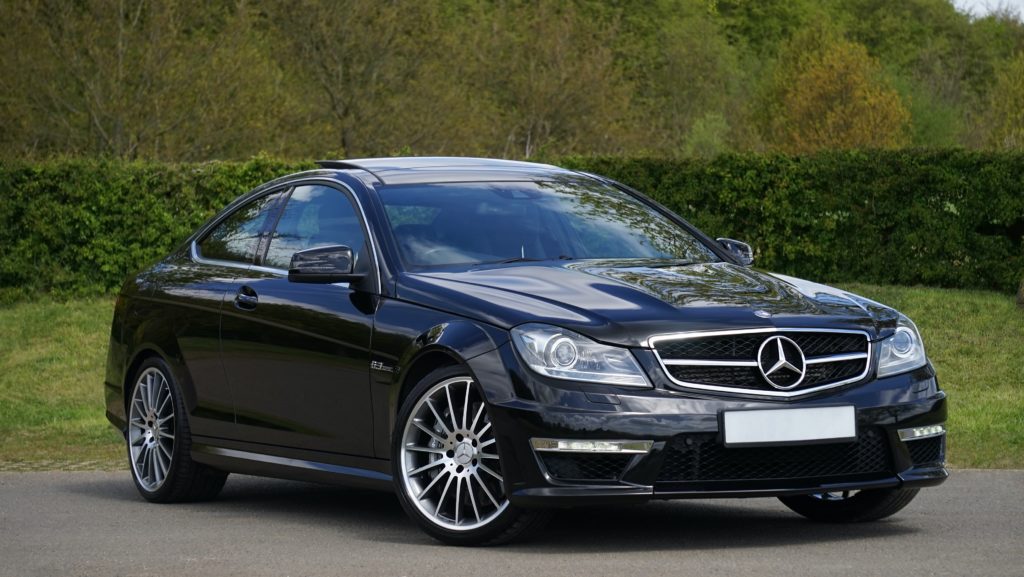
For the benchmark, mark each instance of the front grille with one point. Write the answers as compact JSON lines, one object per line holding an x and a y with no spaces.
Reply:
{"x":700,"y":457}
{"x":729,"y":361}
{"x":830,"y":372}
{"x":744,"y":346}
{"x":736,"y":377}
{"x":731,"y":347}
{"x":927,"y":451}
{"x":585,"y":466}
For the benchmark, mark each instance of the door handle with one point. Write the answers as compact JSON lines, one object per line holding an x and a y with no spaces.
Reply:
{"x":246,"y":299}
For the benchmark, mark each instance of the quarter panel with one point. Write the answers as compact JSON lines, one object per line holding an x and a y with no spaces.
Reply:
{"x":180,"y":320}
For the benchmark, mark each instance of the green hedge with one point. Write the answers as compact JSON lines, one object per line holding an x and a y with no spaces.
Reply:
{"x":81,"y":226}
{"x":940,"y":218}
{"x":945,"y":218}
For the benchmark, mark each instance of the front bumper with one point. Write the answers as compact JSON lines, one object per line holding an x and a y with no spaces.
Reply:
{"x":687,"y":458}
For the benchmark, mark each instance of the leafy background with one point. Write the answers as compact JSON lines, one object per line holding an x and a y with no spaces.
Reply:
{"x":195,"y":80}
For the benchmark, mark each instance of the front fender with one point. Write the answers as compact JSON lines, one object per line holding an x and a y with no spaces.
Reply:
{"x":460,"y":339}
{"x":409,"y":341}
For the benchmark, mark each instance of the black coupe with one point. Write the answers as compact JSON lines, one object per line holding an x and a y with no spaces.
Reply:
{"x":492,"y":339}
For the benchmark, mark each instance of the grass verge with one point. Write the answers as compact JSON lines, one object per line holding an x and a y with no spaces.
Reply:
{"x":52,"y":359}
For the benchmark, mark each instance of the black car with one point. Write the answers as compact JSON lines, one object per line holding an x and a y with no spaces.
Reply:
{"x":494,"y":339}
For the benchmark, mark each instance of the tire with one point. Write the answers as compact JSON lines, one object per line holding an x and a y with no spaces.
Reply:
{"x":436,"y":443}
{"x":862,"y":506}
{"x":159,"y":441}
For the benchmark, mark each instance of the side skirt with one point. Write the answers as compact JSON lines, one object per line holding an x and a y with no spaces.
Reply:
{"x":361,"y":472}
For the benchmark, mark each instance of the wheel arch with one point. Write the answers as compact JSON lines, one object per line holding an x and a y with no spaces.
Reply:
{"x":172,"y":356}
{"x":445,"y":344}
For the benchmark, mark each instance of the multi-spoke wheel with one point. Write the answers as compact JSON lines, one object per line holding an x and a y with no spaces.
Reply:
{"x":151,"y":429}
{"x":159,"y":441}
{"x":447,"y":465}
{"x":850,"y":506}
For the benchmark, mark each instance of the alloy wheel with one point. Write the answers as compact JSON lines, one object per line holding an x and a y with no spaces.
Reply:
{"x":449,"y":460}
{"x":834,"y":495}
{"x":151,"y":429}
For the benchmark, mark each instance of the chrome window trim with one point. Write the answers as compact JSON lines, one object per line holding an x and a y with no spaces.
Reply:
{"x":232,"y":264}
{"x":194,"y":250}
{"x":652,"y":342}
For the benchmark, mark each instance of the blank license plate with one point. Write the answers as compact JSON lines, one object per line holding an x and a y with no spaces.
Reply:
{"x":789,"y":426}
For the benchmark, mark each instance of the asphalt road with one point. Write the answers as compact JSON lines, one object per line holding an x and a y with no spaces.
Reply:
{"x":77,"y":523}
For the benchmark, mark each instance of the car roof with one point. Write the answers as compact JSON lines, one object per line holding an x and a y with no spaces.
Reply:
{"x":432,"y":169}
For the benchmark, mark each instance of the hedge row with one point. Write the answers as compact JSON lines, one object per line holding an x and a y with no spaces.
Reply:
{"x":940,"y":218}
{"x":945,"y":218}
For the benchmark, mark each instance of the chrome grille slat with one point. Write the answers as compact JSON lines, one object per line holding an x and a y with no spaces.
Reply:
{"x":728,"y":361}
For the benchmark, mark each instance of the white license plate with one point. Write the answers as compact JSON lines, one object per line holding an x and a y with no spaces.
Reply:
{"x":783,"y":426}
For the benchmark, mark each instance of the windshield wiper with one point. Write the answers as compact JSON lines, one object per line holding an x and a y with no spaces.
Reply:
{"x":666,"y":264}
{"x":526,"y":259}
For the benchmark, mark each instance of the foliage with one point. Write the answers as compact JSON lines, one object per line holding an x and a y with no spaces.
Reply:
{"x":940,"y":218}
{"x":949,"y":218}
{"x":133,"y":79}
{"x":1006,"y":112}
{"x":73,"y":226}
{"x":829,"y":94}
{"x":552,"y":75}
{"x":193,"y":80}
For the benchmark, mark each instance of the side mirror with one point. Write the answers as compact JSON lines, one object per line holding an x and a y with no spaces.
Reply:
{"x":323,"y":264}
{"x":742,"y":251}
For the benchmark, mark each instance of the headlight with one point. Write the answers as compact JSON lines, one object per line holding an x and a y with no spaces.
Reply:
{"x":903,"y":351}
{"x":563,"y":354}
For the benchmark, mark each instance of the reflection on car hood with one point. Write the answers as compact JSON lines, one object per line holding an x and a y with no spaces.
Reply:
{"x":625,"y":302}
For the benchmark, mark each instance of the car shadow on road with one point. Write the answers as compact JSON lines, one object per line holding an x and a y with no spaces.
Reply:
{"x":696,"y":525}
{"x":377,"y":516}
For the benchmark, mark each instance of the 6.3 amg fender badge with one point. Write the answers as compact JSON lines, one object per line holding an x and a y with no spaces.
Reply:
{"x":781,"y":362}
{"x":379,"y":366}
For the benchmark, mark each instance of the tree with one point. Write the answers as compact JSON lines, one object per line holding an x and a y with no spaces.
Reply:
{"x":553,"y":75}
{"x":131,"y":78}
{"x":829,"y":93}
{"x":694,"y":87}
{"x":381,"y":76}
{"x":763,"y":25}
{"x":1006,"y":106}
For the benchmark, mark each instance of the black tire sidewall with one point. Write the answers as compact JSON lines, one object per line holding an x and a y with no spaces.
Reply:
{"x":868,"y":505}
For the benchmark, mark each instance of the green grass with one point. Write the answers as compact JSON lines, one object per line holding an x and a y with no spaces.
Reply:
{"x":52,"y":362}
{"x":52,"y":359}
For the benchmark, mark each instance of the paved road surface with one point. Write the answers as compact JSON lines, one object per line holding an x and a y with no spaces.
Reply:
{"x":64,"y":524}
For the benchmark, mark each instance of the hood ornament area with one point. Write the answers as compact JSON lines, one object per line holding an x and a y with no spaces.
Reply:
{"x":781,"y":362}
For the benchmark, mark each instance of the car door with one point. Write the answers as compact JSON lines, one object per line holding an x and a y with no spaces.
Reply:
{"x":297,"y":355}
{"x":193,"y":287}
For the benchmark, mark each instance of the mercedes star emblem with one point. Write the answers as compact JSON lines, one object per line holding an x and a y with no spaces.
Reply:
{"x":781,"y":362}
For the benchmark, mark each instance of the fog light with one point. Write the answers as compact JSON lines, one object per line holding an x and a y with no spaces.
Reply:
{"x":578,"y":446}
{"x":922,"y":432}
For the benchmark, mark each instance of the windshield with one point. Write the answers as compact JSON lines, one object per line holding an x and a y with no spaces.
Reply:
{"x":488,"y":222}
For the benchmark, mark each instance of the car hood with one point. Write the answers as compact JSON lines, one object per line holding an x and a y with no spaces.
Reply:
{"x":626,"y":302}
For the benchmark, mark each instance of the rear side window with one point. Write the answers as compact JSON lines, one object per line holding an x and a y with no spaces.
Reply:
{"x":314,"y":216}
{"x":234,"y":239}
